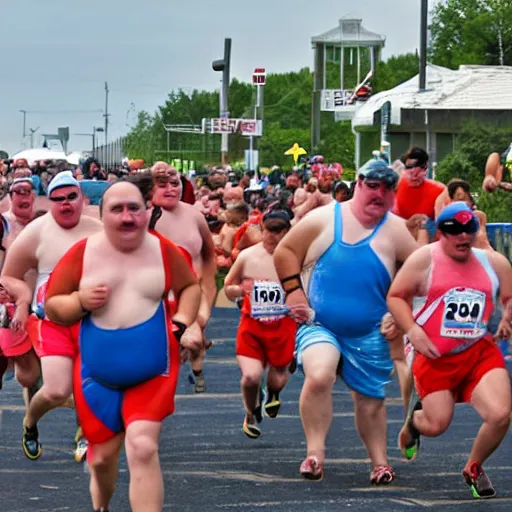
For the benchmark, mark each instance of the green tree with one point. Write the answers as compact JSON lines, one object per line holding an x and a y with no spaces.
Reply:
{"x":471,"y":32}
{"x":474,"y":144}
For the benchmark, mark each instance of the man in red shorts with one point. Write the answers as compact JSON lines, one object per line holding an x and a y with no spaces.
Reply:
{"x":456,"y":357}
{"x":126,"y":373}
{"x":265,"y":335}
{"x":40,"y":246}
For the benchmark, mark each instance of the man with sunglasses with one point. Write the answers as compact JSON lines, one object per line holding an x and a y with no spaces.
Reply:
{"x":336,"y":266}
{"x":40,"y":246}
{"x":184,"y":225}
{"x":416,"y":195}
{"x":266,"y":335}
{"x":456,"y":358}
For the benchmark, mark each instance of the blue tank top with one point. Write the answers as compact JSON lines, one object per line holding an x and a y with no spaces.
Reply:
{"x":349,"y":284}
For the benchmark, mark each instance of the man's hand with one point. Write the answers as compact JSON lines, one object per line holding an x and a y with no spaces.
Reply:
{"x":490,"y":184}
{"x":504,"y":331}
{"x":93,"y":297}
{"x":299,"y":309}
{"x":422,"y":343}
{"x":247,"y":285}
{"x":388,"y":327}
{"x":19,"y":320}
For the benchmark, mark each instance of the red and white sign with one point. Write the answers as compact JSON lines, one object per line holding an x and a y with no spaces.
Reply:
{"x":259,"y":76}
{"x":244,"y":126}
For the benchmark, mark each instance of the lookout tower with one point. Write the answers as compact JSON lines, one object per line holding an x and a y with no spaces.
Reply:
{"x":356,"y":51}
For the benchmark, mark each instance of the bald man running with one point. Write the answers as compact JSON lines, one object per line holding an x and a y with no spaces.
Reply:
{"x":126,"y":373}
{"x":40,"y":246}
{"x":185,"y":226}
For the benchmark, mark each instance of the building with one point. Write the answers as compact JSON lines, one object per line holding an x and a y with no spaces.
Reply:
{"x":405,"y":116}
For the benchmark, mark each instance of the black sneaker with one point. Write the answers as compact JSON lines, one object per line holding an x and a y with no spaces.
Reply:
{"x":258,"y":411}
{"x":481,"y":486}
{"x":272,"y":404}
{"x":31,"y":446}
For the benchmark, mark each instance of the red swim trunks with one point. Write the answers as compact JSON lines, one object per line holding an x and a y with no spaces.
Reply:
{"x":51,"y":339}
{"x":271,"y":343}
{"x":458,"y":373}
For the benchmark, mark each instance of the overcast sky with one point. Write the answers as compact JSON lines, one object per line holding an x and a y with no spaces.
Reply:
{"x":57,"y":54}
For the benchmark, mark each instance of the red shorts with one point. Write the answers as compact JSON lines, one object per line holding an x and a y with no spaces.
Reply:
{"x":50,"y":339}
{"x":270,"y":342}
{"x":458,"y":373}
{"x":13,"y":344}
{"x":152,"y":400}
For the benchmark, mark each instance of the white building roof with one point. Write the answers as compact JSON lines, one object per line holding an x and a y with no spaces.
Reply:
{"x":350,"y":33}
{"x":468,"y":88}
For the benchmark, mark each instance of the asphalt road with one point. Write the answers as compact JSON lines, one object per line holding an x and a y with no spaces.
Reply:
{"x":210,"y":465}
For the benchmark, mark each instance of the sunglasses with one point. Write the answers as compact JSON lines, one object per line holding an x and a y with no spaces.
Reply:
{"x":414,"y":166}
{"x":22,"y":192}
{"x":61,"y":199}
{"x":162,"y":182}
{"x":456,"y":228}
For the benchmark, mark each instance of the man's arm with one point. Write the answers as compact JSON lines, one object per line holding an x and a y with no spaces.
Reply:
{"x":209,"y":269}
{"x":21,"y":256}
{"x":185,"y":287}
{"x":503,"y":270}
{"x":233,"y":280}
{"x":405,"y":243}
{"x":493,"y":172}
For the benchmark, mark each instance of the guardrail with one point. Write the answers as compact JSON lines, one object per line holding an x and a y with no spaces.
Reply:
{"x":500,"y":237}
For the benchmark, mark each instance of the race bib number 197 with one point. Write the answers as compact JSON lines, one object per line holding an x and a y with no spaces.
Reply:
{"x":267,"y":300}
{"x":463,"y":313}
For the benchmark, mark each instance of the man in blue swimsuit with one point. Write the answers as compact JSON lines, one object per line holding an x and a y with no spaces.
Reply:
{"x":337,"y":265}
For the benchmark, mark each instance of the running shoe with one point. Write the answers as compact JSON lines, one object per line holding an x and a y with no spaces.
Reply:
{"x":481,"y":486}
{"x":272,"y":404}
{"x":81,"y":446}
{"x":409,"y":437}
{"x":382,"y":475}
{"x":312,"y":469}
{"x":250,"y":427}
{"x":258,"y":411}
{"x":31,"y":446}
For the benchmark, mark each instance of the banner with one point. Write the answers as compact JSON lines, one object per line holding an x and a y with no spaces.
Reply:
{"x":246,"y":127}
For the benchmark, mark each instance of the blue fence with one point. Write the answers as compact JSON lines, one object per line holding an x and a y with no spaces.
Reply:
{"x":500,"y":236}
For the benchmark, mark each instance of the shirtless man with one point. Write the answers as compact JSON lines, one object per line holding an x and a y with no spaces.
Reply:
{"x":320,"y":197}
{"x":40,"y":246}
{"x":184,"y":225}
{"x":129,"y":357}
{"x":347,"y":254}
{"x":266,"y":336}
{"x":456,"y":357}
{"x":497,"y":168}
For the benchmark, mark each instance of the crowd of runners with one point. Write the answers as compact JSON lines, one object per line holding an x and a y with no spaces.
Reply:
{"x":337,"y":280}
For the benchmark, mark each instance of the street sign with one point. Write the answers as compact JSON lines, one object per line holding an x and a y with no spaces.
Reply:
{"x":246,"y":127}
{"x":259,"y":77}
{"x":333,"y":100}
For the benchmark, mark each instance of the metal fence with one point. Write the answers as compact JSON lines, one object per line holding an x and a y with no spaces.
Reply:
{"x":110,"y":156}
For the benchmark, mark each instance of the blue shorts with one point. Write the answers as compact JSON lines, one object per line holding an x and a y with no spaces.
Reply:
{"x":367,"y":365}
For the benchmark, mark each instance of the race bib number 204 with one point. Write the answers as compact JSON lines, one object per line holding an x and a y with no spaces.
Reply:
{"x":267,"y":300}
{"x":463,"y":313}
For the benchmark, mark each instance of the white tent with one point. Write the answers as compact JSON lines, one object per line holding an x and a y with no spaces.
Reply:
{"x":31,"y":155}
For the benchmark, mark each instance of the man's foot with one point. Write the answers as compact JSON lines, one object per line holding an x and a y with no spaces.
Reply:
{"x":272,"y":404}
{"x":199,"y":383}
{"x":31,"y":446}
{"x":250,"y":427}
{"x":409,"y":437}
{"x":481,"y":486}
{"x":312,"y":469}
{"x":382,"y":475}
{"x":80,"y":452}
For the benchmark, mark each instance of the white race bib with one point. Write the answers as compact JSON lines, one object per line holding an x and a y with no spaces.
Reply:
{"x":267,"y":301}
{"x":463,"y":312}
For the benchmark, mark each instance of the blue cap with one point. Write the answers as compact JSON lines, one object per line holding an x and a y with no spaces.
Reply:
{"x":457,"y":212}
{"x":62,"y":179}
{"x":378,"y":169}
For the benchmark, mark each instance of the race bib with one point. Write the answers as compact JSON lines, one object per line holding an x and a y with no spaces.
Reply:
{"x":463,"y":313}
{"x":267,"y":301}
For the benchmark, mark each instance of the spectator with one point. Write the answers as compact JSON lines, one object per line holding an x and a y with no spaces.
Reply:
{"x":341,"y":192}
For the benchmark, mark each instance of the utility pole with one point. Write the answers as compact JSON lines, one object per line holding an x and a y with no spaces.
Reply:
{"x":24,"y":112}
{"x":423,"y":45}
{"x":106,"y":115}
{"x":32,"y":131}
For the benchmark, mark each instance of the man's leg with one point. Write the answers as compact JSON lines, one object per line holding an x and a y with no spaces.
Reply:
{"x":57,"y":386}
{"x":491,"y":398}
{"x":404,"y":373}
{"x":370,"y":420}
{"x":193,"y":340}
{"x":252,"y":372}
{"x":146,"y":482}
{"x":319,"y":363}
{"x":28,"y":371}
{"x":103,"y":464}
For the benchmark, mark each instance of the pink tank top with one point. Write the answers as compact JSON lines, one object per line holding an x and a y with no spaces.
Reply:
{"x":460,"y":300}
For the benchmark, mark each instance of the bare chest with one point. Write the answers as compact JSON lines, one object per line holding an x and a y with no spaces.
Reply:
{"x":261,"y":266}
{"x":183,"y":231}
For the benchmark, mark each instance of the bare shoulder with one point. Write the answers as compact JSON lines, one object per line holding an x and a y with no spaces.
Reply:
{"x":499,"y":262}
{"x":91,"y":223}
{"x":421,"y":258}
{"x":318,"y":216}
